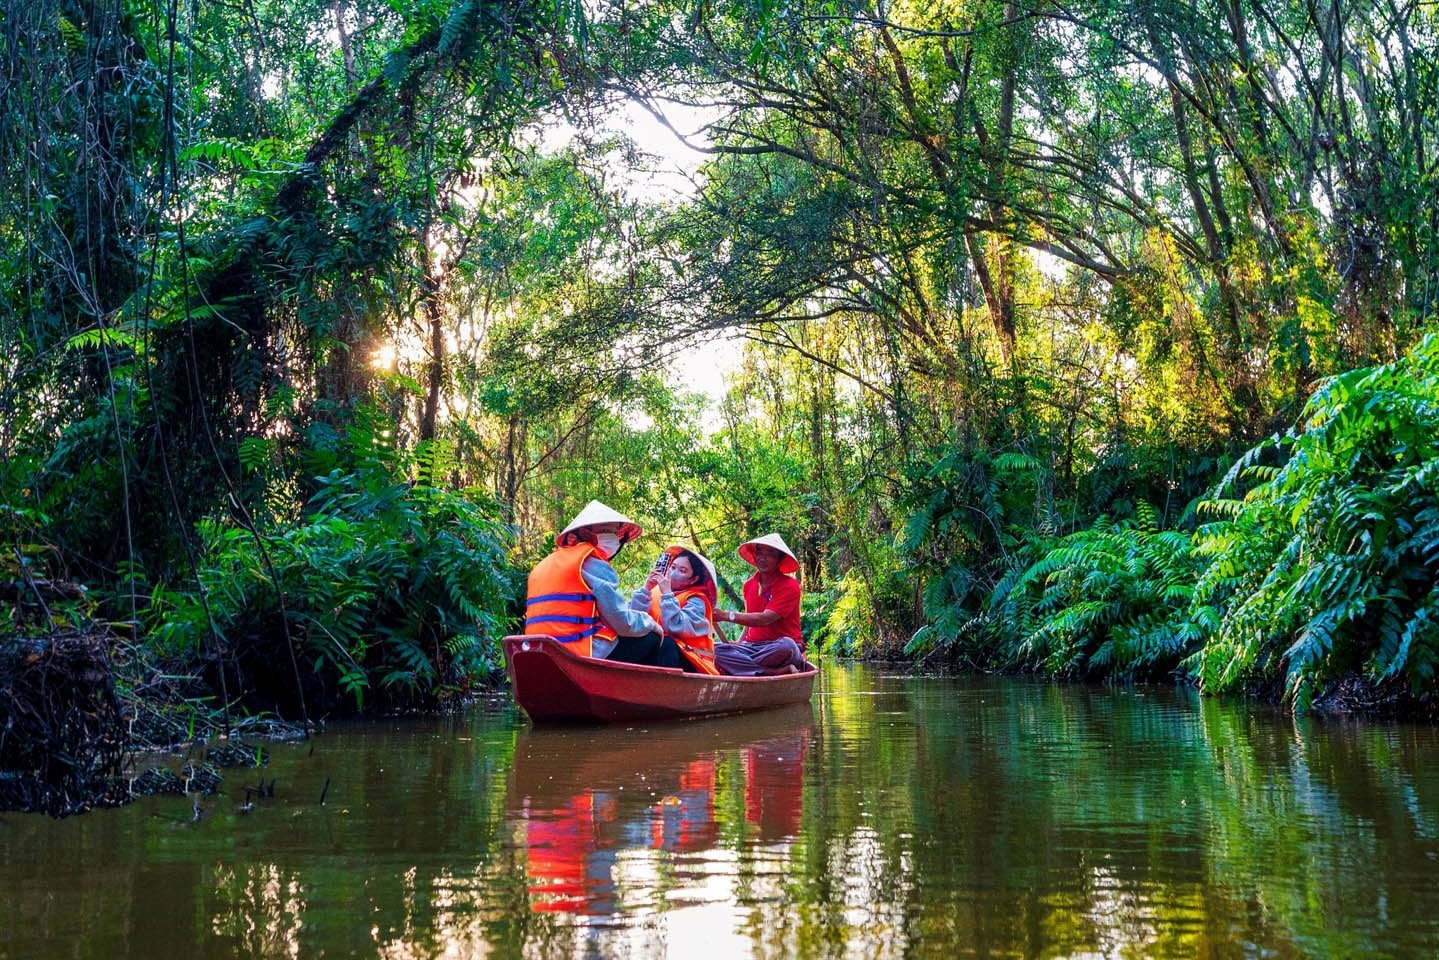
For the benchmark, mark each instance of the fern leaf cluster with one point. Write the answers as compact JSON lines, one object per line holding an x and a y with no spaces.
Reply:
{"x":1110,"y":600}
{"x":385,"y":583}
{"x":958,"y":537}
{"x":1317,"y":556}
{"x":1327,"y":562}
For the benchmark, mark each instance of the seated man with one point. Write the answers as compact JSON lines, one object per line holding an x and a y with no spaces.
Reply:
{"x":574,"y":594}
{"x":771,"y":641}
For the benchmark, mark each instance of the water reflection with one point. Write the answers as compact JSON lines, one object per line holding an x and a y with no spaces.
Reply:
{"x":596,"y":805}
{"x":899,"y":817}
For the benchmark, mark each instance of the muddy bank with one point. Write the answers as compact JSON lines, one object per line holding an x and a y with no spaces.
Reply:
{"x":63,"y":732}
{"x":83,"y":725}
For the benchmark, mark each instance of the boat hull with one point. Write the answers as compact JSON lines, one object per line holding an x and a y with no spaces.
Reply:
{"x":550,"y":683}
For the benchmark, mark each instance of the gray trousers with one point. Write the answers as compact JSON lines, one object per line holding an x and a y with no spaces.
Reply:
{"x":758,"y":659}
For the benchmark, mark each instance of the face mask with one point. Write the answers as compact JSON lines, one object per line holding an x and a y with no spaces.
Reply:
{"x":608,"y":543}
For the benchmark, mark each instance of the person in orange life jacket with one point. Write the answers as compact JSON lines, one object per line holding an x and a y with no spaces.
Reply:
{"x":682,"y":601}
{"x":570,"y":857}
{"x":574,"y":594}
{"x":771,"y":641}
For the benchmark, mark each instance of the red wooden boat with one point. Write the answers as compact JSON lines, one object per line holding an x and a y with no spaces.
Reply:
{"x":552,"y":683}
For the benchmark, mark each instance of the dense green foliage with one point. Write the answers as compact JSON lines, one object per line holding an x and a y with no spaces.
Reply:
{"x":1007,"y":288}
{"x":1329,"y":563}
{"x":384,"y":583}
{"x":1112,"y":598}
{"x":1325,"y":566}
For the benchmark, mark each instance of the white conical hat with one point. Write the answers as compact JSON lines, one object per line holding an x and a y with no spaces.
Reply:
{"x":596,"y":513}
{"x":788,"y":563}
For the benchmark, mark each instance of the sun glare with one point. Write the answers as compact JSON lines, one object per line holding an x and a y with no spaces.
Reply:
{"x":384,"y":357}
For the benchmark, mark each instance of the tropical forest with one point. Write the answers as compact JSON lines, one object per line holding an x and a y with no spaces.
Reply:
{"x":1081,"y":339}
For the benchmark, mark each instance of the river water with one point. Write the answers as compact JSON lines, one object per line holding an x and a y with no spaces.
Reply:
{"x":895,"y":816}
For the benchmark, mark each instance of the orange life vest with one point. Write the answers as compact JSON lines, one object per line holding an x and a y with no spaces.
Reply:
{"x":698,"y":649}
{"x":561,"y":604}
{"x":557,"y":842}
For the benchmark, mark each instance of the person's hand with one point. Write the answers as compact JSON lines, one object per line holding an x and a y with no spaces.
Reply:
{"x":666,"y":588}
{"x":653,"y":579}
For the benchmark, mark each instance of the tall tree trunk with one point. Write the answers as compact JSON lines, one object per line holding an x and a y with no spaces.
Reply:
{"x":994,"y":262}
{"x":1001,"y":310}
{"x":341,"y":9}
{"x":434,"y":317}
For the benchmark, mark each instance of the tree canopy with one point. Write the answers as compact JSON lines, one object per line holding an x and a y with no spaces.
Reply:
{"x":1017,"y":285}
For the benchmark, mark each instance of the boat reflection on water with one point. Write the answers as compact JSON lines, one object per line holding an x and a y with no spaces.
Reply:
{"x":596,"y":804}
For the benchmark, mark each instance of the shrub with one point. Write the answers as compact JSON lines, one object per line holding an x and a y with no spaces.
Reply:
{"x":383,"y":584}
{"x":967,"y":511}
{"x":1109,"y":600}
{"x":1329,"y":562}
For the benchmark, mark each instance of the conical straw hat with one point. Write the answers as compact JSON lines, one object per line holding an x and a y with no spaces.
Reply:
{"x":787,"y":563}
{"x":596,"y":513}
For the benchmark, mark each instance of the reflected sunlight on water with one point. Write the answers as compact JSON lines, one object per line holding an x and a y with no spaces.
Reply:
{"x":895,"y":817}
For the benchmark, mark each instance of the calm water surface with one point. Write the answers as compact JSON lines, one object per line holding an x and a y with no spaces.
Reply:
{"x":895,"y":817}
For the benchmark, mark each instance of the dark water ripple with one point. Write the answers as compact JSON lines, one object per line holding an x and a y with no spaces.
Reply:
{"x":896,"y":816}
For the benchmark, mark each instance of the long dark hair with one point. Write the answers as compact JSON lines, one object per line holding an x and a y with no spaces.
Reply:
{"x":703,"y":581}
